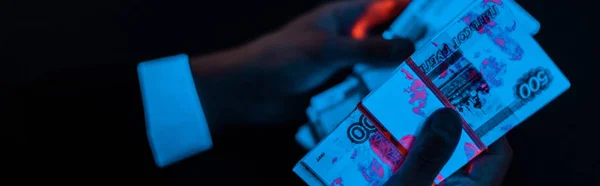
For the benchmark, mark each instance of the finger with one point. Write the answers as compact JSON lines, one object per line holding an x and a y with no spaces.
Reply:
{"x":346,"y":13}
{"x":372,"y":50}
{"x":458,"y":179}
{"x":377,"y":12}
{"x":433,"y":147}
{"x":490,"y":167}
{"x":357,"y":17}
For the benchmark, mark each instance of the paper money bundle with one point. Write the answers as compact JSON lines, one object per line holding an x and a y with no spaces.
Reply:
{"x":483,"y":63}
{"x":420,"y":21}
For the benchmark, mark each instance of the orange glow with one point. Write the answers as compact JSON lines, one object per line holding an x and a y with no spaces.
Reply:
{"x":378,"y":12}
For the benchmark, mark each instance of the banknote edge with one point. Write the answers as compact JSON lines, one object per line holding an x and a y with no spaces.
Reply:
{"x":308,"y":176}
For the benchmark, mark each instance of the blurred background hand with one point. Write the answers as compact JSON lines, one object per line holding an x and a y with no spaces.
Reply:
{"x":270,"y":79}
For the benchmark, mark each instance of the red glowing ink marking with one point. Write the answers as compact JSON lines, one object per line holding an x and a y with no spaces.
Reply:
{"x":418,"y":93}
{"x":334,"y":160}
{"x":377,"y":13}
{"x":337,"y":181}
{"x":407,"y":141}
{"x":353,"y":154}
{"x":434,"y":44}
{"x":439,"y":178}
{"x":386,"y":151}
{"x":471,"y":151}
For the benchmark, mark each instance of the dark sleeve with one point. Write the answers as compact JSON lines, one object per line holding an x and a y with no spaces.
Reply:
{"x":88,"y":118}
{"x":88,"y":122}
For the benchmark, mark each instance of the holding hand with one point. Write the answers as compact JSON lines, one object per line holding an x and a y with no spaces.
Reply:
{"x":435,"y":144}
{"x":267,"y":80}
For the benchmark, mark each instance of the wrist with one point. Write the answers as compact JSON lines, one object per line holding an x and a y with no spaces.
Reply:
{"x":231,"y":83}
{"x":217,"y":78}
{"x":229,"y":61}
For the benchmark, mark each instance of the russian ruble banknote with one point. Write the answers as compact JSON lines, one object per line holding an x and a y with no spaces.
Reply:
{"x":422,"y":19}
{"x":419,"y":22}
{"x":481,"y":64}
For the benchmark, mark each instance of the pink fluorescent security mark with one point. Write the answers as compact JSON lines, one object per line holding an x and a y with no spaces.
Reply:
{"x":492,"y":70}
{"x":407,"y":141}
{"x":337,"y":182}
{"x":439,"y":178}
{"x":372,"y":173}
{"x":418,"y":93}
{"x":499,"y":35}
{"x":498,"y":2}
{"x":499,"y":42}
{"x":386,"y":151}
{"x":407,"y":74}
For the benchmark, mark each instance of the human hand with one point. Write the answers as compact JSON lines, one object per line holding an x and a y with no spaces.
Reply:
{"x":489,"y":168}
{"x":435,"y":145}
{"x":269,"y":79}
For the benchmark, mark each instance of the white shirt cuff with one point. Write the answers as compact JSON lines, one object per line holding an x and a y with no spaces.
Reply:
{"x":175,"y":122}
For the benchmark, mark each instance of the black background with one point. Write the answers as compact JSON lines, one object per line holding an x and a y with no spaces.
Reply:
{"x":69,"y":69}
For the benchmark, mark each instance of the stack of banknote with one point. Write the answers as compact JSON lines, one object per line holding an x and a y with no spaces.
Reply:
{"x":476,"y":56}
{"x":421,"y":20}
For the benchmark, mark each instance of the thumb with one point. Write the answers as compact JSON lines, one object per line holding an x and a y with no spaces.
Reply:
{"x":432,"y":149}
{"x":372,"y":50}
{"x":358,"y":17}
